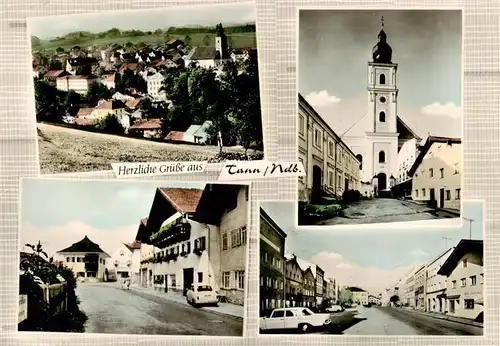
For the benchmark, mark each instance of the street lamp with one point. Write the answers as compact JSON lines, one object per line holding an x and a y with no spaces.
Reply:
{"x":470,"y":225}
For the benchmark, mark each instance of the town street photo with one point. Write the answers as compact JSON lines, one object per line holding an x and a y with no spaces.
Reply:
{"x":174,"y":84}
{"x":379,"y":115}
{"x":396,"y":281}
{"x":133,"y":257}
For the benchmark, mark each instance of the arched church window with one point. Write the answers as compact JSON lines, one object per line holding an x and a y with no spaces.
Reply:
{"x":381,"y":117}
{"x":381,"y":156}
{"x":360,"y":159}
{"x":382,"y":79}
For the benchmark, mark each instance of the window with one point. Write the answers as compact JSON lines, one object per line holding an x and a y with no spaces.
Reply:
{"x":454,"y":284}
{"x":200,"y":277}
{"x":200,"y":243}
{"x":330,"y":178}
{"x":463,"y":282}
{"x":239,"y":277}
{"x":235,"y":238}
{"x":468,"y":303}
{"x":301,"y":125}
{"x":416,"y":193}
{"x":431,"y":172}
{"x":455,"y":166}
{"x":243,"y":233}
{"x":482,"y":278}
{"x":448,"y":195}
{"x":381,"y":157}
{"x":381,"y":117}
{"x":317,"y":138}
{"x":68,"y":259}
{"x":122,"y":253}
{"x":464,"y":263}
{"x":441,"y":173}
{"x":360,"y":159}
{"x":457,"y":194}
{"x":278,"y":314}
{"x":382,"y":79}
{"x":331,"y":149}
{"x":473,"y":280}
{"x":225,"y":279}
{"x":423,"y":192}
{"x":288,"y":313}
{"x":265,"y":257}
{"x":79,"y":259}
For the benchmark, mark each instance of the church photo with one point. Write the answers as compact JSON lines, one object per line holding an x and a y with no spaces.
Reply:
{"x":379,"y":116}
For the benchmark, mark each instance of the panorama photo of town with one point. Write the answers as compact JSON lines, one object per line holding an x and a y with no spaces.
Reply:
{"x":398,"y":281}
{"x":133,"y":257}
{"x":177,"y":84}
{"x":380,"y":116}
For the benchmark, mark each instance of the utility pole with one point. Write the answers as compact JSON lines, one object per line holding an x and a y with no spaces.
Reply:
{"x":445,"y":242}
{"x":470,"y":225}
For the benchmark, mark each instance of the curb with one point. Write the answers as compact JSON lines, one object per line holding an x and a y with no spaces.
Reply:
{"x":238,"y":318}
{"x":448,"y":318}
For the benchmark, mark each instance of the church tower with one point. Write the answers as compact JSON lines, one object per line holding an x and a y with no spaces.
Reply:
{"x":221,"y":42}
{"x":382,"y":136}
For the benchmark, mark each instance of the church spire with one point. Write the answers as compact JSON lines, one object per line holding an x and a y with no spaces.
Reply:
{"x":382,"y":52}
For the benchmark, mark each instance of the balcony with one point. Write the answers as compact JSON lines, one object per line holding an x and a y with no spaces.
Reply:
{"x":171,"y":234}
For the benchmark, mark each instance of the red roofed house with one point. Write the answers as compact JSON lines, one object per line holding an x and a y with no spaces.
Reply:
{"x":196,"y":237}
{"x":175,"y":136}
{"x":151,"y":128}
{"x":52,"y":75}
{"x":78,"y":83}
{"x":109,"y":81}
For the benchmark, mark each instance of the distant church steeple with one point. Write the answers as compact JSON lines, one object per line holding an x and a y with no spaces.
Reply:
{"x":382,"y":52}
{"x":221,"y":42}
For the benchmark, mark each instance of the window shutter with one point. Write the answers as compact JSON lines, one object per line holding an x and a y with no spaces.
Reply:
{"x":196,"y":244}
{"x":188,"y":250}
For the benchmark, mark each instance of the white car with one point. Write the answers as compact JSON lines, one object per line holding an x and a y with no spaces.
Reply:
{"x":334,"y":308}
{"x":299,"y":318}
{"x":202,"y":295}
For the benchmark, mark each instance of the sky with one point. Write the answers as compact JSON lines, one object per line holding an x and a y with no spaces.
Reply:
{"x":61,"y":212}
{"x":336,"y":45}
{"x":372,"y":259}
{"x":146,"y":20}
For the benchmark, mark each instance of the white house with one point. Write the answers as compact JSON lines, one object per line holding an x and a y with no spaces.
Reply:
{"x":436,"y":284}
{"x":155,"y":82}
{"x":86,"y":259}
{"x":109,"y":81}
{"x":465,"y":285}
{"x":197,"y":133}
{"x":79,"y":84}
{"x":436,"y":174}
{"x":125,"y":262}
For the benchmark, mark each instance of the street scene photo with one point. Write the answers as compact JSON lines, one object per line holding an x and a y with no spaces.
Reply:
{"x":160,"y":85}
{"x":133,"y":257}
{"x":379,"y":116}
{"x":397,"y":281}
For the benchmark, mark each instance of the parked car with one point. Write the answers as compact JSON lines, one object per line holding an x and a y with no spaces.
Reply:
{"x":334,"y":308}
{"x":202,"y":295}
{"x":367,"y":305}
{"x":298,"y":318}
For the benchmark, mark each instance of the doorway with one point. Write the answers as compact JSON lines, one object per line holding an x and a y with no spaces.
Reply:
{"x":346,"y":184}
{"x":188,"y":279}
{"x":441,"y":198}
{"x":382,"y":181}
{"x":166,"y":283}
{"x":316,"y":181}
{"x":432,"y":197}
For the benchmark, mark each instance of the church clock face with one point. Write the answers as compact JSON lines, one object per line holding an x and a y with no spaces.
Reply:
{"x":382,"y":99}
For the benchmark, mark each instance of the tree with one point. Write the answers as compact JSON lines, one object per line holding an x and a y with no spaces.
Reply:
{"x":97,"y":92}
{"x":130,"y":80}
{"x":129,"y":45}
{"x":47,"y":104}
{"x":72,"y":102}
{"x":55,"y":65}
{"x":187,"y":40}
{"x":110,"y":124}
{"x":394,"y":299}
{"x":59,"y":50}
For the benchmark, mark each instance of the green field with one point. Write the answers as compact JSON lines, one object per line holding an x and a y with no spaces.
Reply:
{"x":236,"y":40}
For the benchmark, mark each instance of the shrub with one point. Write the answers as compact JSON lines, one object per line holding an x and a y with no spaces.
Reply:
{"x":350,"y":196}
{"x":110,"y":124}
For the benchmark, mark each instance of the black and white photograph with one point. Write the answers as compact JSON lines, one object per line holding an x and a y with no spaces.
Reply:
{"x":397,"y":281}
{"x":379,"y":115}
{"x":159,"y":85}
{"x":133,"y":257}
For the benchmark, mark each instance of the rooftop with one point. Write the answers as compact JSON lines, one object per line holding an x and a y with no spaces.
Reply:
{"x":85,"y":245}
{"x":183,"y":200}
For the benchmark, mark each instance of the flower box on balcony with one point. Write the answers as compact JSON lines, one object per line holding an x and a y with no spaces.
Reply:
{"x":184,"y":253}
{"x":198,"y":251}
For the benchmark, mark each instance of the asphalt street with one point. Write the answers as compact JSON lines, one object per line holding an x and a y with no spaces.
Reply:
{"x":385,"y":210}
{"x":116,"y":311}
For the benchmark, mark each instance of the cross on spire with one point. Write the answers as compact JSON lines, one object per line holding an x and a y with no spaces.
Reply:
{"x":382,"y":20}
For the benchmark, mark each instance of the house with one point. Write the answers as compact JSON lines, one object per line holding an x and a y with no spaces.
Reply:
{"x":79,"y":84}
{"x":109,"y":81}
{"x":174,"y":43}
{"x":111,"y":107}
{"x":319,"y":289}
{"x":155,"y":82}
{"x":331,"y":167}
{"x":407,"y":155}
{"x":420,"y":286}
{"x":192,"y":231}
{"x":197,"y":133}
{"x":147,"y":128}
{"x":125,"y":262}
{"x":436,"y":173}
{"x":84,"y":117}
{"x":86,"y":259}
{"x":436,"y":284}
{"x":294,"y":282}
{"x":272,"y":260}
{"x":128,"y":66}
{"x":210,"y":56}
{"x":146,"y":278}
{"x":81,"y":65}
{"x":373,"y":299}
{"x":239,"y":54}
{"x":175,"y":136}
{"x":465,"y":279}
{"x":359,"y":295}
{"x":52,"y":75}
{"x":124,"y":98}
{"x":133,"y":103}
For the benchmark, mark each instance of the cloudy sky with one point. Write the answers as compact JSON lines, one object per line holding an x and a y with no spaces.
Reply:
{"x":336,"y":45}
{"x":147,"y":20}
{"x":61,"y":212}
{"x":371,"y":259}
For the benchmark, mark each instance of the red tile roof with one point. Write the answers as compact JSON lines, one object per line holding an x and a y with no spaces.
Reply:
{"x":175,"y":136}
{"x":85,"y":121}
{"x":152,"y":124}
{"x":84,"y":112}
{"x":130,"y":66}
{"x":183,"y":200}
{"x":115,"y":104}
{"x":135,"y":245}
{"x":77,"y":77}
{"x":53,"y":73}
{"x":133,"y":103}
{"x":111,"y":78}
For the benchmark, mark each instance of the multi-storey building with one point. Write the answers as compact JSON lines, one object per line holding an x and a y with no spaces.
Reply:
{"x":79,"y":83}
{"x":331,"y":167}
{"x":436,"y":284}
{"x":294,"y":282}
{"x":419,"y":286}
{"x":359,"y":295}
{"x":465,"y":279}
{"x":308,"y":287}
{"x":436,"y":177}
{"x":272,"y":264}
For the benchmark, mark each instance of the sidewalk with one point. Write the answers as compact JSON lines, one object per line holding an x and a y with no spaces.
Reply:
{"x":227,"y":309}
{"x":442,"y":316}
